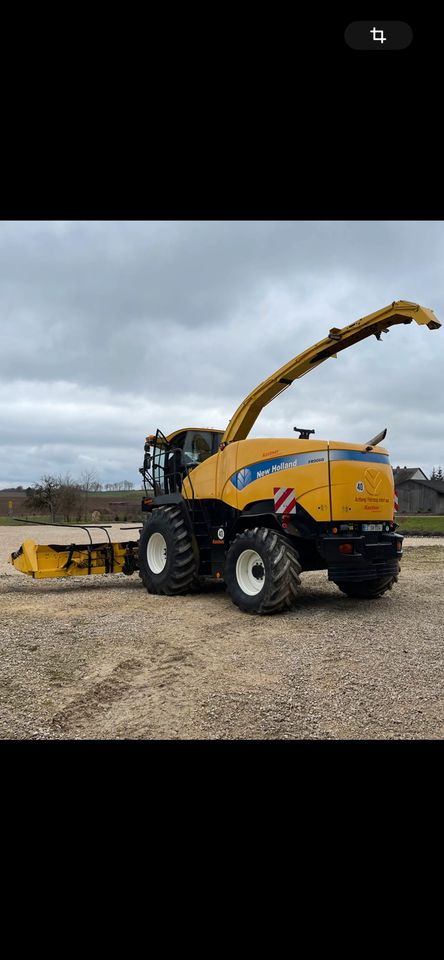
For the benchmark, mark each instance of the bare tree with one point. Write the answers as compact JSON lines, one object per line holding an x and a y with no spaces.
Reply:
{"x":44,"y":496}
{"x":70,"y":497}
{"x":88,"y":484}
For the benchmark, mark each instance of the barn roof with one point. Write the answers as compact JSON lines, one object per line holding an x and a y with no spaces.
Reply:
{"x":405,"y":473}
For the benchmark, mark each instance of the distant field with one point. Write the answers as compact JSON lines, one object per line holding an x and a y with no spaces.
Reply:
{"x":115,"y":505}
{"x":118,"y":494}
{"x":421,"y":524}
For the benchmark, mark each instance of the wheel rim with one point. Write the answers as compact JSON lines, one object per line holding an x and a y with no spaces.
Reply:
{"x":156,"y":553}
{"x":250,"y":572}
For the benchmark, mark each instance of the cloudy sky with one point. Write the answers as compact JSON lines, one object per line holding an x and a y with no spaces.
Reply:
{"x":112,"y":329}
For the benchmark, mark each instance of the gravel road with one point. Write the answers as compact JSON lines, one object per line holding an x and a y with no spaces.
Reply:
{"x":98,"y":658}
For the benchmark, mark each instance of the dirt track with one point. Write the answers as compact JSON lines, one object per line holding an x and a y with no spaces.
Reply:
{"x":99,"y":658}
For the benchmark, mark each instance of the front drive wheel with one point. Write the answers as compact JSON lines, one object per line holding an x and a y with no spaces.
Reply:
{"x":262,"y":571}
{"x":166,"y":560}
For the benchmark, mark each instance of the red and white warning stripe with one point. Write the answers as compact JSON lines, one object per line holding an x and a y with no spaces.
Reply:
{"x":396,"y":501}
{"x":284,"y":499}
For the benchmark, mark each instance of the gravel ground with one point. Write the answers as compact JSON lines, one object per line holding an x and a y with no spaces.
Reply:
{"x":99,"y":658}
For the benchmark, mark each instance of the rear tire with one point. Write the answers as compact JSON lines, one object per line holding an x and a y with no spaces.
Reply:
{"x":367,"y":590}
{"x":167,"y":564}
{"x":262,"y":571}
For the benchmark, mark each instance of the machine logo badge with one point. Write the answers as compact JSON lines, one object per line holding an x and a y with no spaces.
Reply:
{"x":221,"y":533}
{"x":373,"y":480}
{"x":360,"y":486}
{"x":244,"y":477}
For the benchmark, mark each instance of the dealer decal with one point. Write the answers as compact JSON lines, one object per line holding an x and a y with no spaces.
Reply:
{"x":267,"y":468}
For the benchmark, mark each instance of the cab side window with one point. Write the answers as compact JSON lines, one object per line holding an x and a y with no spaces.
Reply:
{"x":198,"y":446}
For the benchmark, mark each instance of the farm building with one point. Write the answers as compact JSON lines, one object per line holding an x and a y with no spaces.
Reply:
{"x":417,"y":494}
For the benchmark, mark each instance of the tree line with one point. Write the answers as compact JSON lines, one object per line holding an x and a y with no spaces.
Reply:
{"x":436,"y":474}
{"x":65,"y":497}
{"x":95,"y":487}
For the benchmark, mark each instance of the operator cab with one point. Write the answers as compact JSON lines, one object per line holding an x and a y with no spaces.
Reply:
{"x":174,"y":456}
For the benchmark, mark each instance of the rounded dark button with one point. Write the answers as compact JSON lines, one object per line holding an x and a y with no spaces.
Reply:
{"x":378,"y":35}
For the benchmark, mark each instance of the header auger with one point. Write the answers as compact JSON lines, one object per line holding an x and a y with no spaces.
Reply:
{"x":257,"y":513}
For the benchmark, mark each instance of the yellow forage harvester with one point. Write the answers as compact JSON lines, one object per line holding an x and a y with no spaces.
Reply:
{"x":258,"y":513}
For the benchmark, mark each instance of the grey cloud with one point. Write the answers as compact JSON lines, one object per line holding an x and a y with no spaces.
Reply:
{"x":154,"y":323}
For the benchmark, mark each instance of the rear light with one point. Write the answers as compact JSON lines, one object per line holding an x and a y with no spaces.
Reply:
{"x":346,"y":548}
{"x":399,"y":544}
{"x":334,"y":530}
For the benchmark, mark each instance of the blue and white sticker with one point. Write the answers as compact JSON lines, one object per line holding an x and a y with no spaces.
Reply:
{"x":255,"y":471}
{"x":267,"y":468}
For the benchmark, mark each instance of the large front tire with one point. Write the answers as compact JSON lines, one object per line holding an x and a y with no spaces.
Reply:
{"x":167,"y":563}
{"x":262,"y":571}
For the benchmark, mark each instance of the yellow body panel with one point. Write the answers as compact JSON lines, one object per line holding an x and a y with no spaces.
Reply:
{"x":362,"y":488}
{"x":331,"y":480}
{"x":271,"y":464}
{"x":203,"y":482}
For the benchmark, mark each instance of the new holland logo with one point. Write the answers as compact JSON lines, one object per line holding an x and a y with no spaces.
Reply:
{"x":373,"y":480}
